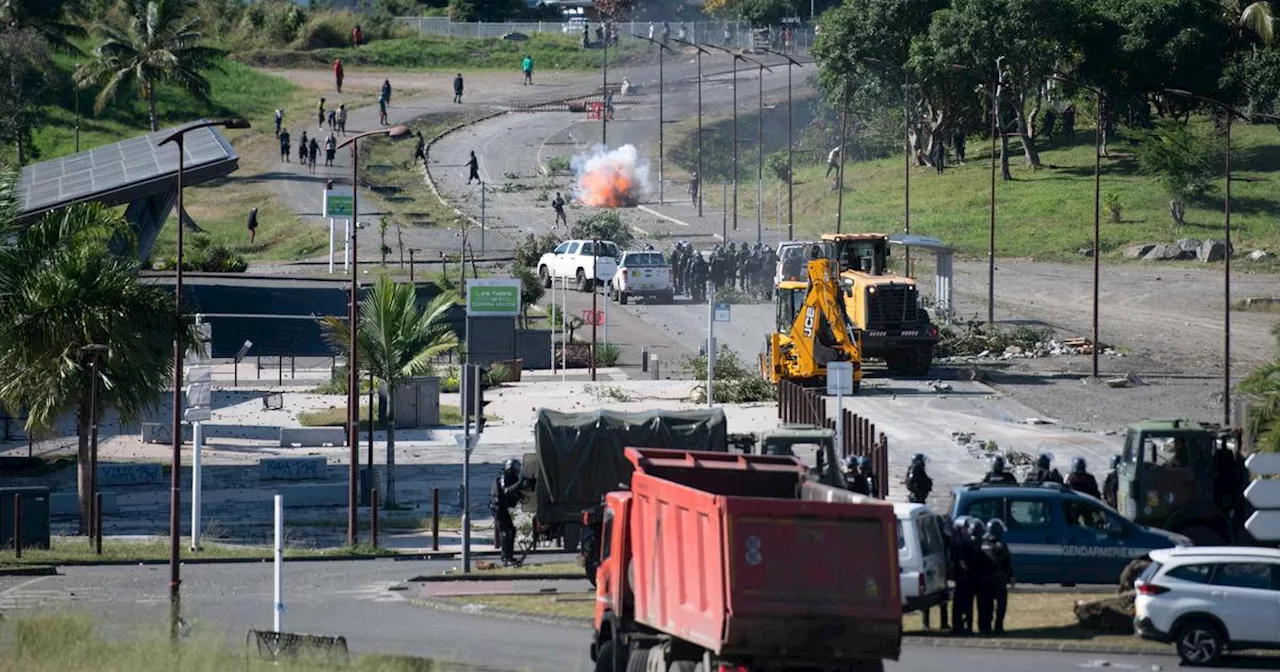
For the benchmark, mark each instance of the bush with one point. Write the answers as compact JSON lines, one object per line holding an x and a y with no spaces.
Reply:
{"x":604,"y":225}
{"x":329,"y":29}
{"x":531,"y":289}
{"x":735,"y":382}
{"x":205,"y":255}
{"x":974,"y":337}
{"x":608,"y":354}
{"x":1111,"y":205}
{"x":528,"y":251}
{"x":1184,"y":162}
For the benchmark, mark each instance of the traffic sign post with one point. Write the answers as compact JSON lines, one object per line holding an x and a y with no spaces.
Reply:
{"x":839,"y":383}
{"x":1264,"y":494}
{"x":199,"y":398}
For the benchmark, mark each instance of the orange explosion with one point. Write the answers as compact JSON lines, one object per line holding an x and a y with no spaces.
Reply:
{"x":606,"y":186}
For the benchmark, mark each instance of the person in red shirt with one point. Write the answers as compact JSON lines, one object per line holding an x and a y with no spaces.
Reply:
{"x":357,"y":36}
{"x":338,"y":73}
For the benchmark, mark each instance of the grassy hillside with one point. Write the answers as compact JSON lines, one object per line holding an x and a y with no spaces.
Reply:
{"x":550,"y":52}
{"x":1046,"y":213}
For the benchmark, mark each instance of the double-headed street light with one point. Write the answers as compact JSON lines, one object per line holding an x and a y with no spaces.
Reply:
{"x":761,"y":67}
{"x":661,"y":46}
{"x":994,"y":85}
{"x":736,"y":57}
{"x":701,"y":51}
{"x":790,"y":144}
{"x":1097,"y":205}
{"x":178,"y":138}
{"x":353,"y":316}
{"x":1231,"y":113}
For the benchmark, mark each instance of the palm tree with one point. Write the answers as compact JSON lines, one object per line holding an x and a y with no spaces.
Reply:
{"x":46,"y":17}
{"x":1263,"y":388}
{"x":1256,"y":16}
{"x":61,"y":289}
{"x":396,"y":341}
{"x":160,"y":43}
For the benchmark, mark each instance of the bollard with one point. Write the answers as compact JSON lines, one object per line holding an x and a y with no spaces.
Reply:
{"x":373,"y":517}
{"x":97,"y":523}
{"x":17,"y":526}
{"x":653,"y":367}
{"x":644,"y":359}
{"x":435,"y":519}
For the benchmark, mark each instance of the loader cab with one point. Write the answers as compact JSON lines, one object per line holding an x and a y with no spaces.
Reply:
{"x":1181,"y":476}
{"x":814,"y":446}
{"x":790,"y":297}
{"x":866,"y":253}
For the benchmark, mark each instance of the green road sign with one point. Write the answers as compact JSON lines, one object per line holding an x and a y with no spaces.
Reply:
{"x":492,"y":297}
{"x":339,"y":203}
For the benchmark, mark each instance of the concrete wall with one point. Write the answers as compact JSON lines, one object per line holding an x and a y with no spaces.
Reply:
{"x":130,"y":473}
{"x":292,"y":468}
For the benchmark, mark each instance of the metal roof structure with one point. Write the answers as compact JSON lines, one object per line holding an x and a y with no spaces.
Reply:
{"x":137,"y":172}
{"x":942,"y":288}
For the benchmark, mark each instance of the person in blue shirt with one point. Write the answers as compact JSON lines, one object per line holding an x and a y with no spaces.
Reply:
{"x":527,"y":66}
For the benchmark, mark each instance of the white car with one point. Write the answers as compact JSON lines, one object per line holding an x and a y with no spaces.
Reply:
{"x":922,"y":557}
{"x":573,"y":259}
{"x":1210,"y":599}
{"x":792,"y":255}
{"x":642,"y":274}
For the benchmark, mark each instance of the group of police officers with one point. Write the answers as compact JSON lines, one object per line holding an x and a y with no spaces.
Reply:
{"x":746,"y":268}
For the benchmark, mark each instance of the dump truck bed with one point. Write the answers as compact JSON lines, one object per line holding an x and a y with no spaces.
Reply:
{"x":741,"y":555}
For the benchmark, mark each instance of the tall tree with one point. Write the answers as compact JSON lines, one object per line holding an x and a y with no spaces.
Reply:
{"x":46,"y":17}
{"x":160,"y":42}
{"x":396,"y":340}
{"x":30,"y":29}
{"x":62,"y":289}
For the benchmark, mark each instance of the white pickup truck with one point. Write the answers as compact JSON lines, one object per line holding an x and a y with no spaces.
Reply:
{"x":572,"y":259}
{"x":643,"y":273}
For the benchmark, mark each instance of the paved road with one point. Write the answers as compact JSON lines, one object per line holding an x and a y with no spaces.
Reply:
{"x":352,"y":599}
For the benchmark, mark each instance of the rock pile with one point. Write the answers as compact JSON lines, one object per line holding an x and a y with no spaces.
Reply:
{"x":1207,"y":250}
{"x":1047,"y":348}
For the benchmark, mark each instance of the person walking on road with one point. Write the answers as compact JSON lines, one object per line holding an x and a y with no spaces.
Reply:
{"x":557,"y":204}
{"x":918,"y":482}
{"x":1111,"y":484}
{"x":386,"y":90}
{"x":504,"y":494}
{"x":342,"y":118}
{"x":330,"y":148}
{"x":693,"y":186}
{"x":320,"y":114}
{"x":252,"y":225}
{"x":279,"y":120}
{"x":302,"y":150}
{"x":338,"y":73}
{"x":333,"y":120}
{"x":962,"y":552}
{"x":313,"y":150}
{"x":457,"y":88}
{"x":527,"y":66}
{"x":382,"y":111}
{"x":285,"y":150}
{"x":473,"y":169}
{"x":420,"y":151}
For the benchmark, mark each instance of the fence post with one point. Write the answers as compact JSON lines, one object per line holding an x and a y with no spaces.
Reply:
{"x":883,"y":467}
{"x":97,"y":523}
{"x":847,"y":448}
{"x":373,"y":517}
{"x":17,"y":526}
{"x":855,"y":448}
{"x":435,"y":519}
{"x":867,"y":436}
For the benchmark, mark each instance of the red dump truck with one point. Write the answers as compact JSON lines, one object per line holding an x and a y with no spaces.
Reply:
{"x":720,"y":562}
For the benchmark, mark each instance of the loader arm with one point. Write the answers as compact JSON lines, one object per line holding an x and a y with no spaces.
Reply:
{"x":818,"y":333}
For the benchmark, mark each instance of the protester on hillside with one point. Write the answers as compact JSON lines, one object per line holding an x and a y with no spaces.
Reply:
{"x":342,"y":118}
{"x":338,"y":73}
{"x":357,"y":36}
{"x":285,"y":149}
{"x":252,"y":225}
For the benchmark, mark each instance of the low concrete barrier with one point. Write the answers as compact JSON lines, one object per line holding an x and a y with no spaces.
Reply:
{"x":67,"y":504}
{"x":292,"y":468}
{"x":130,"y":473}
{"x":312,"y":437}
{"x":161,"y":432}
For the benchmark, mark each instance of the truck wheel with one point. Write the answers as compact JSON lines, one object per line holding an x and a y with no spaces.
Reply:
{"x":638,"y":661}
{"x":605,"y":657}
{"x":622,"y":297}
{"x":897,"y":363}
{"x":682,"y":666}
{"x":920,"y":362}
{"x":545,"y":276}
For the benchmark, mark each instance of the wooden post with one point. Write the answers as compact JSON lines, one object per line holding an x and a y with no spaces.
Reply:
{"x":97,"y":523}
{"x":373,"y":517}
{"x":17,"y":526}
{"x":435,"y":519}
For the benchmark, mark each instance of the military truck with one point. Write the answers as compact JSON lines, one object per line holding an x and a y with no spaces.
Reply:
{"x":882,"y":306}
{"x":814,"y":446}
{"x":1186,"y":477}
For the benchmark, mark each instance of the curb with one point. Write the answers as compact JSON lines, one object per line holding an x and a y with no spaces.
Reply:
{"x":29,"y":570}
{"x":1014,"y":645}
{"x":459,"y":608}
{"x":456,"y":578}
{"x":426,"y":168}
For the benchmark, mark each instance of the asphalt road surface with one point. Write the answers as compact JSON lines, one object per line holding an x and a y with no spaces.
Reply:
{"x":353,"y":599}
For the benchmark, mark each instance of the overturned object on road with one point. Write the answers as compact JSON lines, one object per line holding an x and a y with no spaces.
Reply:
{"x":580,"y":455}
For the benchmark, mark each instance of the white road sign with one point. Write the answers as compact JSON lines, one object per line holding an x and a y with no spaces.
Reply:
{"x":199,"y":394}
{"x":199,"y":374}
{"x":721,"y":312}
{"x":839,"y":378}
{"x":1264,"y":525}
{"x":1263,"y":464}
{"x":202,"y":414}
{"x":1263,"y":494}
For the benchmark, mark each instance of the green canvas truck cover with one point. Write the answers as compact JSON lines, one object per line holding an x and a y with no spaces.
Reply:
{"x":580,"y":454}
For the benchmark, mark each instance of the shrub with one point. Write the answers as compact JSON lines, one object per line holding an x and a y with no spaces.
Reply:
{"x":1184,"y":162}
{"x":604,"y":225}
{"x":528,"y":251}
{"x":608,"y":354}
{"x":1111,"y":205}
{"x":974,"y":337}
{"x":531,"y":289}
{"x":558,"y":164}
{"x":205,"y":255}
{"x":735,"y":382}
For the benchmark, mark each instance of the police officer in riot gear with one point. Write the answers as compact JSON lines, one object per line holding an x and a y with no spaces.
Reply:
{"x":993,"y":586}
{"x":504,"y":494}
{"x":699,"y":272}
{"x":969,"y":571}
{"x":918,"y":482}
{"x":1044,"y":471}
{"x":1081,"y":480}
{"x":868,"y":477}
{"x":998,"y":474}
{"x":853,"y":475}
{"x":1111,"y":484}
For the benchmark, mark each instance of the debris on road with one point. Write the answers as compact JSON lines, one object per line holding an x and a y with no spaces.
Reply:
{"x":1127,"y":380}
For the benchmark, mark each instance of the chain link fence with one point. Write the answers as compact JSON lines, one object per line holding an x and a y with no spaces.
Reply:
{"x":734,"y":34}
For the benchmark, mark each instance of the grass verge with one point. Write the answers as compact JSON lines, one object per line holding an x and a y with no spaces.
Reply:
{"x":336,"y":416}
{"x":55,"y":643}
{"x":1043,"y":619}
{"x":78,"y":550}
{"x":1044,"y":214}
{"x":550,"y":52}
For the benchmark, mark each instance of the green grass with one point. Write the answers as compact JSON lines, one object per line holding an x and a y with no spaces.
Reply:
{"x":550,"y":52}
{"x":1045,"y":214}
{"x":70,"y":642}
{"x":68,"y":550}
{"x":391,"y":172}
{"x":337,"y":417}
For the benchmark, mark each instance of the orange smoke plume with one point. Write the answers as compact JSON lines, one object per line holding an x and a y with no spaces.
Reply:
{"x":611,"y":179}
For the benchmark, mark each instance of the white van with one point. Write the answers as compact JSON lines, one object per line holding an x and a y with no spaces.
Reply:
{"x":922,"y":557}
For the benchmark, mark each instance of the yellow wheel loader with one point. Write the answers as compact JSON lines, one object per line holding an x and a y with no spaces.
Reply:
{"x":812,"y":330}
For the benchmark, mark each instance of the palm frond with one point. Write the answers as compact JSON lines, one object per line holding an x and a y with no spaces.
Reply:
{"x":1259,"y":18}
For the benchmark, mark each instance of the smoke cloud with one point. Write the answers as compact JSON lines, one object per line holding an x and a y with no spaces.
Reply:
{"x":610,"y":178}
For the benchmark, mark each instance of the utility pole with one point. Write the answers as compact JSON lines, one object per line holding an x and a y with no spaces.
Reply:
{"x":701,"y":51}
{"x":661,"y":113}
{"x":790,"y":144}
{"x":844,"y":113}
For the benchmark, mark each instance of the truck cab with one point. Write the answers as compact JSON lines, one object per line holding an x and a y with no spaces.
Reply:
{"x":814,"y":446}
{"x":1186,"y":477}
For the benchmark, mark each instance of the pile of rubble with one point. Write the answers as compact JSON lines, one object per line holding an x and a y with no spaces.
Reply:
{"x":1207,"y":250}
{"x":1047,"y":348}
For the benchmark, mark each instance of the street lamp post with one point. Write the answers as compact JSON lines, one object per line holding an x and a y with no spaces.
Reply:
{"x":353,"y":316}
{"x":1231,"y":113}
{"x":736,"y":58}
{"x":907,"y":152}
{"x":701,"y":51}
{"x":1097,"y":207}
{"x":661,"y":108}
{"x":94,"y":353}
{"x":844,"y":114}
{"x":790,"y":145}
{"x":178,"y":138}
